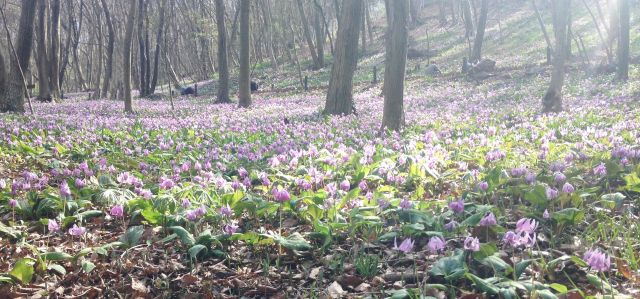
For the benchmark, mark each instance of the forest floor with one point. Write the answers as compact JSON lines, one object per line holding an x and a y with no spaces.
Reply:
{"x":203,"y":214}
{"x":480,"y":196}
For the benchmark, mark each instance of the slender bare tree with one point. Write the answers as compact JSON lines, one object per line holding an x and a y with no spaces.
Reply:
{"x":223,"y":66}
{"x":126,"y":57}
{"x":552,"y":101}
{"x":244,"y":93}
{"x":395,"y":63}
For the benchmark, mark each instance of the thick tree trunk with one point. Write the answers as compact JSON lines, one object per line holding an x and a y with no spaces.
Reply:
{"x":108,"y":70}
{"x":54,"y":60}
{"x":42,"y":62}
{"x":622,"y":73}
{"x":244,"y":93}
{"x":395,"y":63}
{"x":19,"y":60}
{"x":339,"y":96}
{"x":479,"y":39}
{"x":307,"y":36}
{"x":223,"y":66}
{"x":552,"y":101}
{"x":126,"y":57}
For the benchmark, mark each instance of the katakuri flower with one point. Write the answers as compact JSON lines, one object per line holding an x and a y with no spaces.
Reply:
{"x":472,"y":244}
{"x":77,"y":230}
{"x":597,"y":260}
{"x":406,"y":246}
{"x":53,"y":226}
{"x":488,"y":220}
{"x":436,"y":244}
{"x":117,"y":211}
{"x":457,"y":206}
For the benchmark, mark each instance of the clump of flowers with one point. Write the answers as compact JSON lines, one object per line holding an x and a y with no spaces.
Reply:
{"x":597,"y":260}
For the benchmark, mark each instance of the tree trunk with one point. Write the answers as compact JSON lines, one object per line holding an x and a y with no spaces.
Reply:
{"x":244,"y":93}
{"x":64,"y":63}
{"x":468,"y":18}
{"x":268,"y":19}
{"x":42,"y":62}
{"x":54,"y":60}
{"x":319,"y":32}
{"x":395,"y":63}
{"x":96,"y":87}
{"x":19,"y":59}
{"x":142,"y":57}
{"x":223,"y":65}
{"x":3,"y":78}
{"x":482,"y":22}
{"x":307,"y":36}
{"x":542,"y":27}
{"x":622,"y":73}
{"x":159,"y":41}
{"x":363,"y":33}
{"x":108,"y":70}
{"x":339,"y":96}
{"x":126,"y":58}
{"x":614,"y":23}
{"x":552,"y":101}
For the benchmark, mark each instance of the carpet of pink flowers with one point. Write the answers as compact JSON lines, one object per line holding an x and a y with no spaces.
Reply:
{"x":480,"y":195}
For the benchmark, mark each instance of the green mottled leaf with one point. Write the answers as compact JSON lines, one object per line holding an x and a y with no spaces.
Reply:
{"x":23,"y":270}
{"x":185,"y":236}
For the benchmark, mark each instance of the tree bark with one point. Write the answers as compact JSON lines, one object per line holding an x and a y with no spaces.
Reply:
{"x":54,"y":60}
{"x":479,"y":39}
{"x":468,"y":18}
{"x":622,"y":73}
{"x":244,"y":93}
{"x":223,"y":65}
{"x":319,"y":33}
{"x":159,"y":41}
{"x":108,"y":70}
{"x":19,"y":60}
{"x":339,"y":96}
{"x":44,"y":92}
{"x":3,"y":78}
{"x":142,"y":52}
{"x":307,"y":36}
{"x":614,"y":23}
{"x":395,"y":63}
{"x":126,"y":57}
{"x":552,"y":101}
